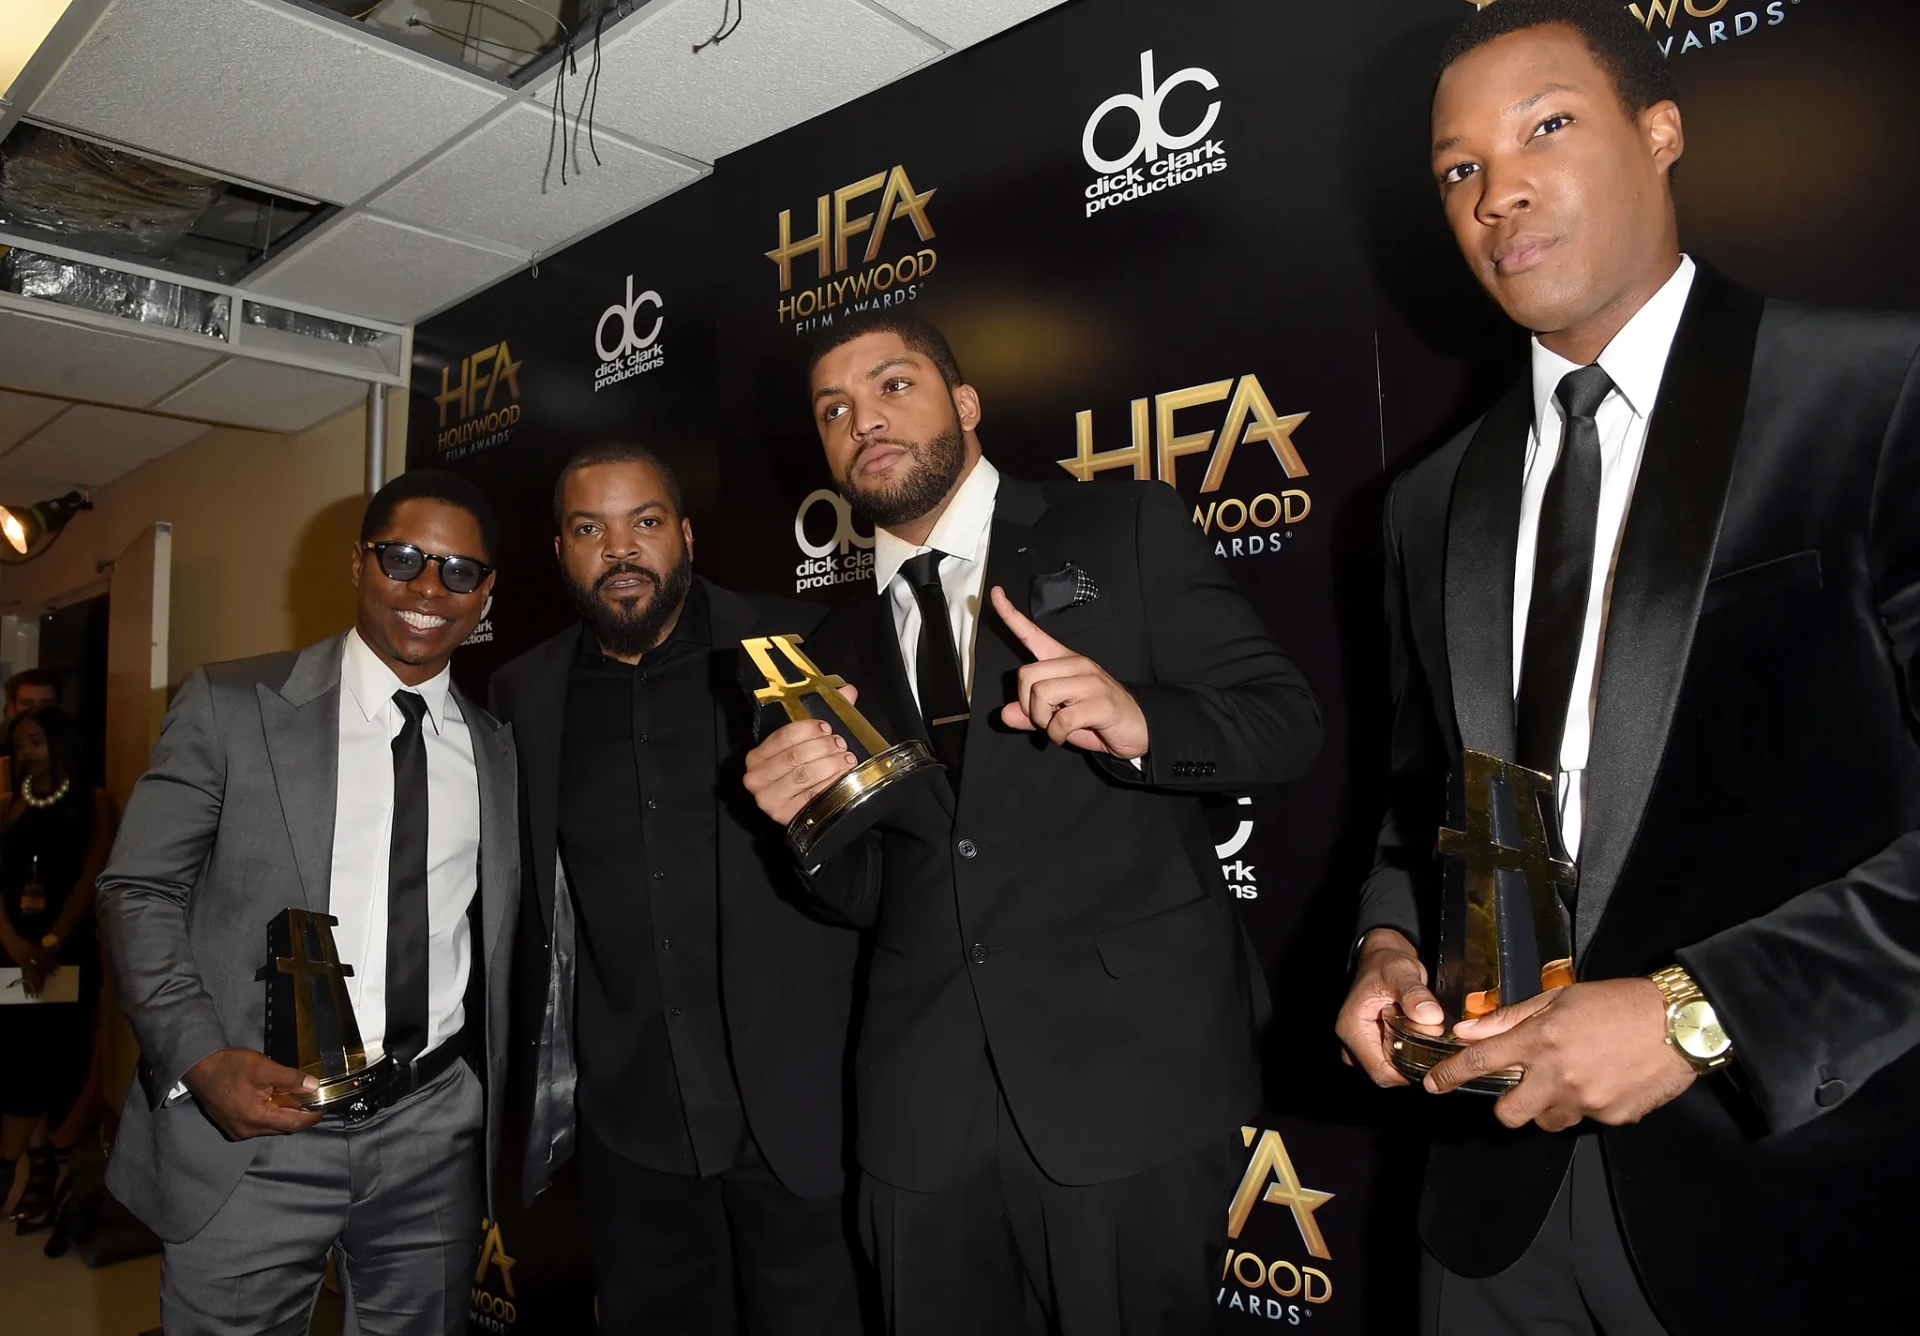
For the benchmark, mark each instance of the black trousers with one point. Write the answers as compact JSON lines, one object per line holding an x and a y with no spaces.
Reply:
{"x":1575,"y":1278}
{"x":676,"y":1255}
{"x":1005,"y":1250}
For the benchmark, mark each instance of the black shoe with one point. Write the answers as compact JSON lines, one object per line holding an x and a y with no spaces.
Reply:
{"x":43,"y":1180}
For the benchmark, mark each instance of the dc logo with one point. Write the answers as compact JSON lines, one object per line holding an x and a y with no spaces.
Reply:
{"x":1145,"y":107}
{"x":631,"y":341}
{"x":844,"y":535}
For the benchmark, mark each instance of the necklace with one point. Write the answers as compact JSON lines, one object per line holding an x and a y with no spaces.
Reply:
{"x":27,"y":793}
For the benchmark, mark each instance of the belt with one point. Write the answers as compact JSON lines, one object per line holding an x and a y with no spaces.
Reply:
{"x":404,"y":1081}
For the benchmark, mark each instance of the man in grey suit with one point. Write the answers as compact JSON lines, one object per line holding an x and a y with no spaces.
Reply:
{"x":307,"y":779}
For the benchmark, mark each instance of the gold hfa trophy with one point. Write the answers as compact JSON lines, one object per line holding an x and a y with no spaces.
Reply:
{"x":310,"y":1020}
{"x":854,"y":802}
{"x":1505,"y":934}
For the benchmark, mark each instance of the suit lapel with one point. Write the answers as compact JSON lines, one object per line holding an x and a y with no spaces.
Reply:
{"x":1483,"y":526}
{"x":885,"y":698}
{"x":1013,"y":558}
{"x":542,"y":717}
{"x":301,"y":725}
{"x":1666,"y":552}
{"x":499,"y":817}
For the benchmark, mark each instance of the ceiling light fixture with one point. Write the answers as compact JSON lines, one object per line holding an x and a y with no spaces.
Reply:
{"x":23,"y":27}
{"x":24,"y":526}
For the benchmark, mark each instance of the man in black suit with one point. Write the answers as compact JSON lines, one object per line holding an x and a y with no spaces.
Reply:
{"x":693,"y":1023}
{"x":1678,"y":568}
{"x":1059,"y":1038}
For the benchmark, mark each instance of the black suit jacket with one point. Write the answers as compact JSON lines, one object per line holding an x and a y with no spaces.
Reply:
{"x":1753,"y":794}
{"x":1064,"y":911}
{"x":786,"y":980}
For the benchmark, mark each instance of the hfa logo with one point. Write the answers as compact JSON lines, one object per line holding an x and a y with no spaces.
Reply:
{"x":843,"y":556}
{"x":1140,"y":171}
{"x":888,"y":283}
{"x":632,"y":353}
{"x":1720,"y":24}
{"x":1271,"y":1177}
{"x":493,"y":1312}
{"x":1717,"y":23}
{"x":1157,"y":448}
{"x":468,"y":418}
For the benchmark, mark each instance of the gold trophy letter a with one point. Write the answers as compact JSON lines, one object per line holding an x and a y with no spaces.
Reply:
{"x":792,"y":695}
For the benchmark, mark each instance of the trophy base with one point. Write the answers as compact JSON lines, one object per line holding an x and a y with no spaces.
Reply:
{"x":845,"y":809}
{"x":341,"y":1089}
{"x":1416,"y":1053}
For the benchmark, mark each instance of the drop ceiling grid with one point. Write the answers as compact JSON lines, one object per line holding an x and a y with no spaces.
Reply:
{"x":965,"y":22}
{"x":489,"y":184}
{"x":52,"y":357}
{"x":265,"y":396}
{"x":89,"y":446}
{"x":261,"y":90}
{"x":23,"y":414}
{"x":382,"y":270}
{"x":764,"y":78}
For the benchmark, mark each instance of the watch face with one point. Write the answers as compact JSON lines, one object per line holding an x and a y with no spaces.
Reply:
{"x":1697,"y":1032}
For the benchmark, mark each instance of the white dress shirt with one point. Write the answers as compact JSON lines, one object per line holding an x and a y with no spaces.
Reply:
{"x":363,"y":840}
{"x":1635,"y":360}
{"x":963,"y":533}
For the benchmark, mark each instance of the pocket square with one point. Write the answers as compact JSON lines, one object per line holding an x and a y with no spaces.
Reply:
{"x":1056,"y":591}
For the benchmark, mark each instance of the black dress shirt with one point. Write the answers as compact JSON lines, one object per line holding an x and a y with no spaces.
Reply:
{"x":637,"y":830}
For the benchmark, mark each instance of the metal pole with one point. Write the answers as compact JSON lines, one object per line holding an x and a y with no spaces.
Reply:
{"x":376,"y":438}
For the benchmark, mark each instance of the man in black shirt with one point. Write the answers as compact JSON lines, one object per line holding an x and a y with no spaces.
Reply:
{"x":694,"y":1027}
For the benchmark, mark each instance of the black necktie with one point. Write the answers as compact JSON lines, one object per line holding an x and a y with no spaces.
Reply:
{"x":407,"y":888}
{"x":1562,"y":574}
{"x":942,"y":687}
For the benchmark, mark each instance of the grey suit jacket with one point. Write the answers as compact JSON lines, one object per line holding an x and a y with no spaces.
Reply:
{"x":232,"y":823}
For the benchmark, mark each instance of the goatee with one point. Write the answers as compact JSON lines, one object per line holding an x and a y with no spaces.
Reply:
{"x":937,"y":467}
{"x":624,"y":632}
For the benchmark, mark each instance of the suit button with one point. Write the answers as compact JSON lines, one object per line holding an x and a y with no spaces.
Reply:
{"x":978,"y":955}
{"x":666,"y":944}
{"x":967,"y":848}
{"x":643,"y":739}
{"x":1830,"y":1093}
{"x":653,"y":805}
{"x":659,"y":876}
{"x":676,"y":1011}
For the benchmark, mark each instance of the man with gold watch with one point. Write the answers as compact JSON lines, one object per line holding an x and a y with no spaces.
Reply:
{"x":1676,"y":568}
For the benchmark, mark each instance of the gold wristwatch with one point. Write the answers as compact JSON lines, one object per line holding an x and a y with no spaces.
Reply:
{"x":1693,"y":1026}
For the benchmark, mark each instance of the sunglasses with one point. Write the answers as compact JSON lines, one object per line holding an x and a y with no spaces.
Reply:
{"x":404,"y":562}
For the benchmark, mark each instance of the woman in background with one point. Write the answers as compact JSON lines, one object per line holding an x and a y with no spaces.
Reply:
{"x":54,"y":841}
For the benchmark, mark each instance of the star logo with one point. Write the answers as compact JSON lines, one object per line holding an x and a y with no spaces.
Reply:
{"x":1270,"y":1167}
{"x":494,"y":1253}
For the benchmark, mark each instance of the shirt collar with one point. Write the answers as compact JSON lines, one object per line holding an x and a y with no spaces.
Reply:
{"x":1635,"y":359}
{"x":372,"y":684}
{"x":962,"y":531}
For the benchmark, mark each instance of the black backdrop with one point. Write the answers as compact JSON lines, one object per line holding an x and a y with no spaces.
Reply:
{"x":1287,"y":259}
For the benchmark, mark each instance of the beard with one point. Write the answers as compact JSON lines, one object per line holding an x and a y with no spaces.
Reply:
{"x":937,"y":465}
{"x":637,"y":628}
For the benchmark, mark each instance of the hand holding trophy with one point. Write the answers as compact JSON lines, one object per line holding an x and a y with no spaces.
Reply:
{"x":1505,"y":933}
{"x":825,"y":784}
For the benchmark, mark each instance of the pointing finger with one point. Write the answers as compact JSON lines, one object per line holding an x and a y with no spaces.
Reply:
{"x":1038,"y":642}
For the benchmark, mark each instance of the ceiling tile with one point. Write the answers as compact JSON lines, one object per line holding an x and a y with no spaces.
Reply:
{"x":381,"y":270}
{"x":964,"y":22}
{"x":265,"y":395}
{"x":261,"y":90}
{"x":79,"y":362}
{"x":766,"y":76}
{"x":23,"y":414}
{"x":90,"y":446}
{"x":490,"y":185}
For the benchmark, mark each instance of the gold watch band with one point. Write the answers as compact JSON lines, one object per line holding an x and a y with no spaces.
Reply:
{"x":1681,"y":993}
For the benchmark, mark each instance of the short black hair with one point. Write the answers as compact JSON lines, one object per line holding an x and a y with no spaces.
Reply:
{"x":434,"y":485}
{"x":1620,"y":44}
{"x":617,"y":452}
{"x":32,"y":677}
{"x":920,"y":336}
